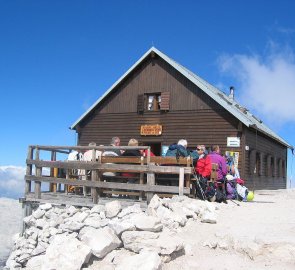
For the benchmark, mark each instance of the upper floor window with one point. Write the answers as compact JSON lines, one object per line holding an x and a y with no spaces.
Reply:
{"x":153,"y":102}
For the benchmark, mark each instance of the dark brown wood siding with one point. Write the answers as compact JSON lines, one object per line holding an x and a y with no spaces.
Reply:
{"x":271,"y":152}
{"x":156,"y":78}
{"x":198,"y":127}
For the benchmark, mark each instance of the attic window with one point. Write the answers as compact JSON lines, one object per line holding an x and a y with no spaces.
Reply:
{"x":153,"y":102}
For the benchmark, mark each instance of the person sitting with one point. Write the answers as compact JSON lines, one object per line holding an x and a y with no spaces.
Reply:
{"x":217,"y":158}
{"x":178,"y":150}
{"x":88,"y":154}
{"x":115,"y":141}
{"x":203,"y":166}
{"x":131,"y":153}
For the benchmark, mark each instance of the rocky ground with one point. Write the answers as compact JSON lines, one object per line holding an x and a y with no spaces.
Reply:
{"x":177,"y":233}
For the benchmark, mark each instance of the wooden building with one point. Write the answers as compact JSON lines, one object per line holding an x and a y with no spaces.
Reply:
{"x":158,"y":102}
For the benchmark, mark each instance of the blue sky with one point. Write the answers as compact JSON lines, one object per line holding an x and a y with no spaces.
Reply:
{"x":58,"y":57}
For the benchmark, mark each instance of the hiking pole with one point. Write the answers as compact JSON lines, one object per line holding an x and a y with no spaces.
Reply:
{"x":235,"y":202}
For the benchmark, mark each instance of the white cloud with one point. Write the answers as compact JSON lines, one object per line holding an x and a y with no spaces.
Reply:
{"x":266,"y":83}
{"x":12,"y":181}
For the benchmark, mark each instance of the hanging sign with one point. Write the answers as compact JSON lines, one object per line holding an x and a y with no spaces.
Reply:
{"x":233,"y":142}
{"x":151,"y":130}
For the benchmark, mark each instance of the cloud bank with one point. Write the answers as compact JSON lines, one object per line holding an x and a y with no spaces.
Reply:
{"x":12,"y":181}
{"x":266,"y":83}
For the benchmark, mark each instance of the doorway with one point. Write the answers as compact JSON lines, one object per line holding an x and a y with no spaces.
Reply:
{"x":155,"y":147}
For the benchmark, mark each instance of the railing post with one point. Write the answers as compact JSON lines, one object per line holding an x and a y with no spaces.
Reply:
{"x":141,"y":178}
{"x":150,"y":178}
{"x":181,"y":181}
{"x":28,"y":186}
{"x":38,"y":173}
{"x":53,"y":172}
{"x":94,"y":178}
{"x":188,"y":176}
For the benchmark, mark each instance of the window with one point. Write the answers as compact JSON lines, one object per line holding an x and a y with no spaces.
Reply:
{"x":153,"y":102}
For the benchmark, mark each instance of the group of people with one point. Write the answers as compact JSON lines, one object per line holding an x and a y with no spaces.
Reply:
{"x":227,"y":172}
{"x":228,"y":184}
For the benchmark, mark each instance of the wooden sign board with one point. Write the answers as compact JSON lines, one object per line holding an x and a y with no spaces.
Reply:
{"x":151,"y":130}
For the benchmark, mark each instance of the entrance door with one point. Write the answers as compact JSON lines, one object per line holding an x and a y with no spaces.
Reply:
{"x":155,"y":147}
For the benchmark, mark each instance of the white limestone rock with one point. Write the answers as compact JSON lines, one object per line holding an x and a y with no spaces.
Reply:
{"x":97,"y":209}
{"x":112,"y":209}
{"x":155,"y":202}
{"x":72,"y":226}
{"x":79,"y":217}
{"x":35,"y":263}
{"x":93,"y":221}
{"x":30,"y":221}
{"x":41,"y":223}
{"x":138,"y":240}
{"x":45,"y":206}
{"x":146,"y":223}
{"x":120,"y":226}
{"x":130,"y":209}
{"x":162,"y":243}
{"x":101,"y":241}
{"x":66,"y":253}
{"x":146,"y":260}
{"x":39,"y":213}
{"x":71,"y":210}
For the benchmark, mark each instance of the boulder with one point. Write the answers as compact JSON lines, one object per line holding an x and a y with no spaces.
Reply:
{"x":162,"y":243}
{"x":101,"y":241}
{"x":97,"y":209}
{"x":39,"y":213}
{"x":130,"y":209}
{"x":120,"y":226}
{"x":146,"y":223}
{"x":139,"y":240}
{"x":66,"y":253}
{"x":112,"y":209}
{"x":45,"y":206}
{"x":35,"y":263}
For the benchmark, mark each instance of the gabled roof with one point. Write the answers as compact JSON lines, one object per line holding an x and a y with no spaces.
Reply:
{"x":230,"y":105}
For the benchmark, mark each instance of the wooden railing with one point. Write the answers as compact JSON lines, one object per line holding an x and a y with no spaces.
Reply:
{"x":147,"y":169}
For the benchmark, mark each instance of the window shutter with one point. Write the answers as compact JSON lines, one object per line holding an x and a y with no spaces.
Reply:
{"x":165,"y":101}
{"x":140,"y":103}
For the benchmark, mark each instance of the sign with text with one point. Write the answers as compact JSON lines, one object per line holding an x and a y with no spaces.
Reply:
{"x":151,"y":130}
{"x":233,"y":142}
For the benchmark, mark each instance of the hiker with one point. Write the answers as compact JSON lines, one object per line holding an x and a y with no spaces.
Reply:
{"x":217,"y":158}
{"x":115,"y":141}
{"x":203,"y":166}
{"x":131,"y":153}
{"x":88,"y":154}
{"x":178,"y":150}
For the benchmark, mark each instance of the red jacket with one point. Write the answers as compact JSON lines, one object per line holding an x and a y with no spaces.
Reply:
{"x":204,"y":166}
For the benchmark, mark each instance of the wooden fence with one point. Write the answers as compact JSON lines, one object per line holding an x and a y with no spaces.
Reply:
{"x":148,"y":169}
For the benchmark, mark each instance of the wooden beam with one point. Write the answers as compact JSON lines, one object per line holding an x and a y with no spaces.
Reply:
{"x":109,"y":185}
{"x":30,"y":154}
